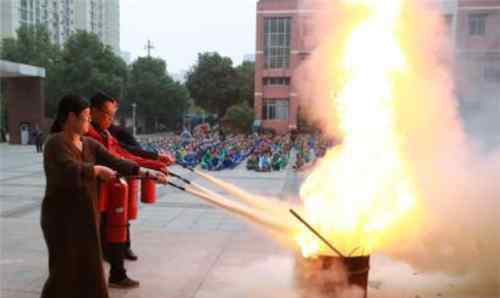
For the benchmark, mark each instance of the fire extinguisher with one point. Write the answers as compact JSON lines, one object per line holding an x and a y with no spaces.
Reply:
{"x":148,"y":191}
{"x":103,"y":197}
{"x":133,"y":189}
{"x":117,"y":219}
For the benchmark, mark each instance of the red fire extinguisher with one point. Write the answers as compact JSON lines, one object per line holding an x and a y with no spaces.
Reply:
{"x":148,"y":191}
{"x":133,"y":189}
{"x":117,"y":219}
{"x":103,"y":197}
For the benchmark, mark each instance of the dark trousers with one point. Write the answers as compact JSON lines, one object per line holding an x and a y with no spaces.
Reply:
{"x":116,"y":258}
{"x":39,"y":147}
{"x":114,"y":253}
{"x":127,"y":244}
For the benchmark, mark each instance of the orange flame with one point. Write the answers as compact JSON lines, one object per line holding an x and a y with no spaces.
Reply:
{"x":360,"y":193}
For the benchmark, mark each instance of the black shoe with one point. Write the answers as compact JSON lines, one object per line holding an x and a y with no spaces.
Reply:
{"x":125,"y":283}
{"x":130,"y":255}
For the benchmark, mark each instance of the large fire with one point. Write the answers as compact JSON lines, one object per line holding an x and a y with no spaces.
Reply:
{"x":361,"y":193}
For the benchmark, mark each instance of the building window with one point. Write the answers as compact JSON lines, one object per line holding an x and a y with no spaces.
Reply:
{"x":448,"y":21}
{"x":275,"y":109}
{"x":491,"y":74}
{"x":477,"y":24}
{"x":277,"y":42}
{"x":279,"y":81}
{"x":24,"y":15}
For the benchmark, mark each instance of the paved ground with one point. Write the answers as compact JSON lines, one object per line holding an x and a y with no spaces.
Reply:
{"x":186,"y":247}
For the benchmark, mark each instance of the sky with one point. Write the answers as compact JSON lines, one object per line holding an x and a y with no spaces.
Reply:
{"x":180,"y":29}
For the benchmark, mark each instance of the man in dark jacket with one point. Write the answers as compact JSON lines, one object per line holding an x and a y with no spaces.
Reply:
{"x":103,"y":109}
{"x":130,"y":143}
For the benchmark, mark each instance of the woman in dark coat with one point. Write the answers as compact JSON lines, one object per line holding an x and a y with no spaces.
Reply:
{"x":69,"y":216}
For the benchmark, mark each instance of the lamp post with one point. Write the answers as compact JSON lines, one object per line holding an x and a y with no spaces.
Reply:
{"x":134,"y":105}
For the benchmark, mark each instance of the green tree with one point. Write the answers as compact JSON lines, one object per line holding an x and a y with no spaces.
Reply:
{"x":161,"y":101}
{"x":33,"y":46}
{"x":89,"y":66}
{"x":212,"y":83}
{"x":246,"y":82}
{"x":240,"y":117}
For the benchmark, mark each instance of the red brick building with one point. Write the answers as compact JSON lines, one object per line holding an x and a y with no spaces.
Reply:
{"x":284,"y":41}
{"x":282,"y":44}
{"x":25,"y":106}
{"x":476,"y":36}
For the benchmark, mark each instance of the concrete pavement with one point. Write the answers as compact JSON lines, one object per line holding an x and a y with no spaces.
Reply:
{"x":186,"y":248}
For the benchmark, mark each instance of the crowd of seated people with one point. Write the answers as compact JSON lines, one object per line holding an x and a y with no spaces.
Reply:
{"x":215,"y":151}
{"x":309,"y":148}
{"x":227,"y":153}
{"x":212,"y":150}
{"x":271,"y":153}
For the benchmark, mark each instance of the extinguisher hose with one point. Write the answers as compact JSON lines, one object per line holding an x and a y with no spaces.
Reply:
{"x":182,"y":188}
{"x":177,"y":176}
{"x":118,"y":176}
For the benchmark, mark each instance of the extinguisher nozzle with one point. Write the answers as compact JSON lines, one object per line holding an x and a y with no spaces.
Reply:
{"x":178,"y":177}
{"x":177,"y":186}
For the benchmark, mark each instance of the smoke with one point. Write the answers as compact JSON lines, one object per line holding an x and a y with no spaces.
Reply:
{"x":284,"y":277}
{"x":479,"y":85}
{"x":457,"y":185}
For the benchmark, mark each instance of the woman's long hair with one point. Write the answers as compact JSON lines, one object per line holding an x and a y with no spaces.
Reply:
{"x":68,"y":104}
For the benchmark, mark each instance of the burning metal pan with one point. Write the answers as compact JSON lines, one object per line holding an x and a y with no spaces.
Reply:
{"x":332,"y":276}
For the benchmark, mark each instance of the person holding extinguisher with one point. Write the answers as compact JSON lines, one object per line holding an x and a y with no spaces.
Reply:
{"x":103,"y":109}
{"x":130,"y":143}
{"x":69,"y":215}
